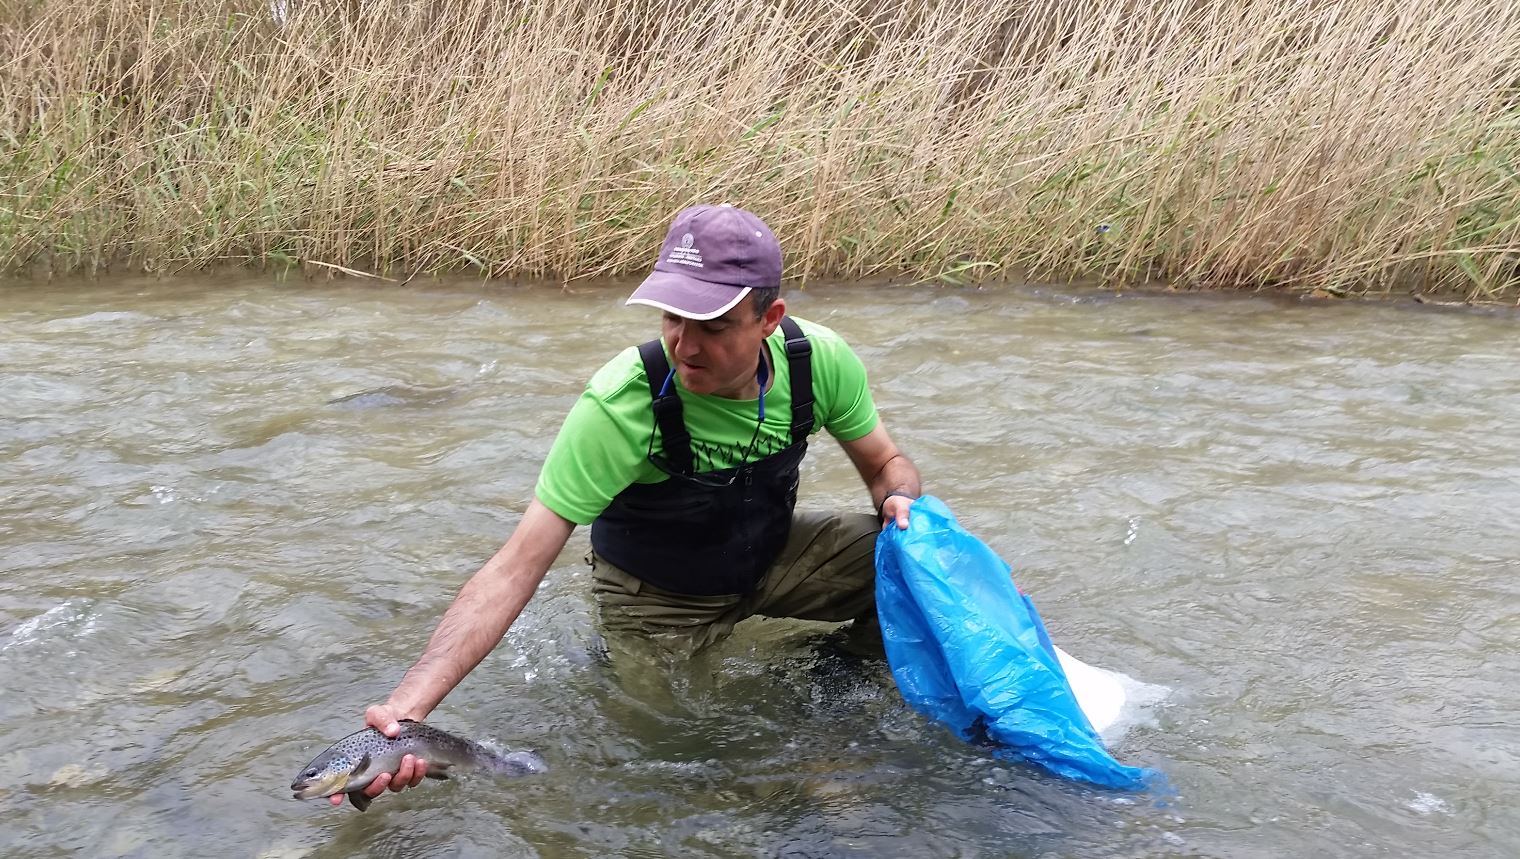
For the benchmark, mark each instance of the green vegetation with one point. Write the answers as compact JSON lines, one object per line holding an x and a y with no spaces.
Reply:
{"x":1354,"y":147}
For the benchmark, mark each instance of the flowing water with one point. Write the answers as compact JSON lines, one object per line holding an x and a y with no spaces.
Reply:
{"x":232,"y":510}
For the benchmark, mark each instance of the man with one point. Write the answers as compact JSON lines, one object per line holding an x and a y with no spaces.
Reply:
{"x":683,"y":455}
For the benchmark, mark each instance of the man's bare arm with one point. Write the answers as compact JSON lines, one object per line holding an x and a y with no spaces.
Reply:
{"x":885,"y":470}
{"x":474,"y":624}
{"x":482,"y":612}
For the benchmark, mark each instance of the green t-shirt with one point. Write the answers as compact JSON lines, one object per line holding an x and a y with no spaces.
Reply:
{"x":603,"y":445}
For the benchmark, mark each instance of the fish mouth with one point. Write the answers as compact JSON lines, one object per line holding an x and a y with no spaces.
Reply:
{"x":312,"y":790}
{"x":305,"y":791}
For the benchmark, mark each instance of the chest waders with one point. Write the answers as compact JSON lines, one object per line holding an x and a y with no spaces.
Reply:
{"x":719,"y":531}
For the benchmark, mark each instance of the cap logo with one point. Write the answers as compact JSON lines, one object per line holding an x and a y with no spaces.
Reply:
{"x":685,"y":253}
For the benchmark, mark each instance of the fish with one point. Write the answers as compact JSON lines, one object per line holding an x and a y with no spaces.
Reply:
{"x":352,"y":763}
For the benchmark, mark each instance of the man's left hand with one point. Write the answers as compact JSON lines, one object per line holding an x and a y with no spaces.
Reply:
{"x":896,"y":507}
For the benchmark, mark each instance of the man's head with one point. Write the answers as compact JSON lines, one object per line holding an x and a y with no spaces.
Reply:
{"x":713,"y":259}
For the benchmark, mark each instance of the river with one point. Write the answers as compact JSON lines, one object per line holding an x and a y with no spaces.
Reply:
{"x":234,"y":508}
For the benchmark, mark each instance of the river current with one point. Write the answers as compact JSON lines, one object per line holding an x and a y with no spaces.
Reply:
{"x":232,"y":510}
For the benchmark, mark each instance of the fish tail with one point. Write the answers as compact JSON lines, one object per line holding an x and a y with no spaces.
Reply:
{"x":518,"y":763}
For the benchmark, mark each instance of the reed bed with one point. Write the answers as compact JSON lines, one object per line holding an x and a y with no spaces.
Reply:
{"x":1364,"y":146}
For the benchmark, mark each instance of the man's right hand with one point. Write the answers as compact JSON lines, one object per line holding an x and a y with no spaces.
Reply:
{"x":387,"y":720}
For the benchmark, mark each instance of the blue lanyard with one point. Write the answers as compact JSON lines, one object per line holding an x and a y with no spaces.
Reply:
{"x":762,"y":375}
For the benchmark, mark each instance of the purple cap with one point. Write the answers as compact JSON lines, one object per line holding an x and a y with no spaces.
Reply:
{"x":712,"y":257}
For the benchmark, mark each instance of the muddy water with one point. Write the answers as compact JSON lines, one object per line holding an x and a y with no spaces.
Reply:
{"x":232,"y":510}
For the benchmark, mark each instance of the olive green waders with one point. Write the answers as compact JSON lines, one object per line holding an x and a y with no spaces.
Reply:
{"x":827,"y":571}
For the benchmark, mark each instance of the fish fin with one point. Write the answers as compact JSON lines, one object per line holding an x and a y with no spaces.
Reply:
{"x":359,"y":767}
{"x":359,"y":800}
{"x":437,"y":770}
{"x":438,"y":775}
{"x":413,"y":721}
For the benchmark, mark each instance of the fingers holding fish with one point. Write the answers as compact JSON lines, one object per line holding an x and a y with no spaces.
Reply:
{"x":410,"y":774}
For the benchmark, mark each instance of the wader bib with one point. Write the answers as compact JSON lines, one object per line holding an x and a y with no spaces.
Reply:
{"x":719,"y":531}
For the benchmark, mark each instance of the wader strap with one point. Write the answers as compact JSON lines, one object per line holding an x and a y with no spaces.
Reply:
{"x":674,"y":438}
{"x":799,"y":360}
{"x":667,"y":407}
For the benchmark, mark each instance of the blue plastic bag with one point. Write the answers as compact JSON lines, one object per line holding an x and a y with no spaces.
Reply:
{"x":967,"y":649}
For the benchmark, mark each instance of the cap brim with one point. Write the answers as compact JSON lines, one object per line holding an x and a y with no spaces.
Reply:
{"x":685,"y":296}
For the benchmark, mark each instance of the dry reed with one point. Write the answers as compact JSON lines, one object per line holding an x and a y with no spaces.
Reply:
{"x":1358,"y":146}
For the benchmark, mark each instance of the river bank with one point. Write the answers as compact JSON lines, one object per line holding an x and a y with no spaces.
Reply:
{"x":1348,"y":148}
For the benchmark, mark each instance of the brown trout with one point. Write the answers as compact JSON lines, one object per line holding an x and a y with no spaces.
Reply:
{"x":349,"y":765}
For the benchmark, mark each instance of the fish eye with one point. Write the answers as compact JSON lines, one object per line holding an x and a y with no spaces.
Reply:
{"x":311,"y":773}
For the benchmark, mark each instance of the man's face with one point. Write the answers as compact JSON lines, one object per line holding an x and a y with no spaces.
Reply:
{"x":717,"y":356}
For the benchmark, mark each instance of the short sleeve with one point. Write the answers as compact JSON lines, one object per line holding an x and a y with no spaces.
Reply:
{"x":840,"y":388}
{"x":602,"y":444}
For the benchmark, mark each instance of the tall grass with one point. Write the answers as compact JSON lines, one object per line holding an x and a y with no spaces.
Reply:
{"x":1356,"y":146}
